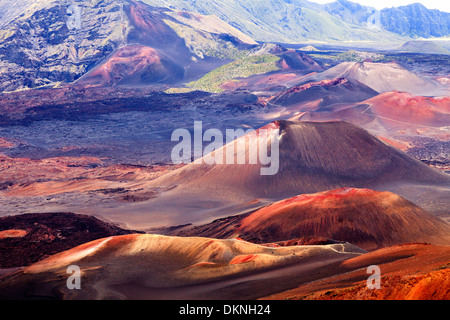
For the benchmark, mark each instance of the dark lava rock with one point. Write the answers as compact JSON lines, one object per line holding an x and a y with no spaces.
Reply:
{"x":48,"y":234}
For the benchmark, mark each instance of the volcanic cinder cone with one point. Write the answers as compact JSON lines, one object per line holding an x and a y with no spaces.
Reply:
{"x":408,"y":272}
{"x":367,"y":218}
{"x":382,"y":77}
{"x":323,"y":93}
{"x":313,"y":157}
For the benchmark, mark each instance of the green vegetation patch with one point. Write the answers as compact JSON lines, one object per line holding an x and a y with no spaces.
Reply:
{"x":359,"y":56}
{"x":241,"y":68}
{"x":179,"y":90}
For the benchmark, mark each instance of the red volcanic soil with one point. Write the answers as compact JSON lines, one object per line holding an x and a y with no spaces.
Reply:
{"x":5,"y":143}
{"x":233,"y":85}
{"x":323,"y":83}
{"x":389,"y":115}
{"x":12,"y":234}
{"x":408,"y":272}
{"x":135,"y":64}
{"x":243,"y":259}
{"x":405,"y":107}
{"x":401,"y":145}
{"x":382,"y":77}
{"x":366,"y":218}
{"x":32,"y":177}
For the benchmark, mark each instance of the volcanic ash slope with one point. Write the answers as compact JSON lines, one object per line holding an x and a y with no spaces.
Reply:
{"x":133,"y":266}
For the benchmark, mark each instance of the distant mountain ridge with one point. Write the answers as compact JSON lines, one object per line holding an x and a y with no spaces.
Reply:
{"x":294,"y":21}
{"x":419,"y":22}
{"x":413,"y":20}
{"x":280,"y":21}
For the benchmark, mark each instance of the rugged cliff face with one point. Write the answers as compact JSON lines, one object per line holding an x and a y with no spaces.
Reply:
{"x":413,"y":20}
{"x":41,"y":46}
{"x":59,"y":41}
